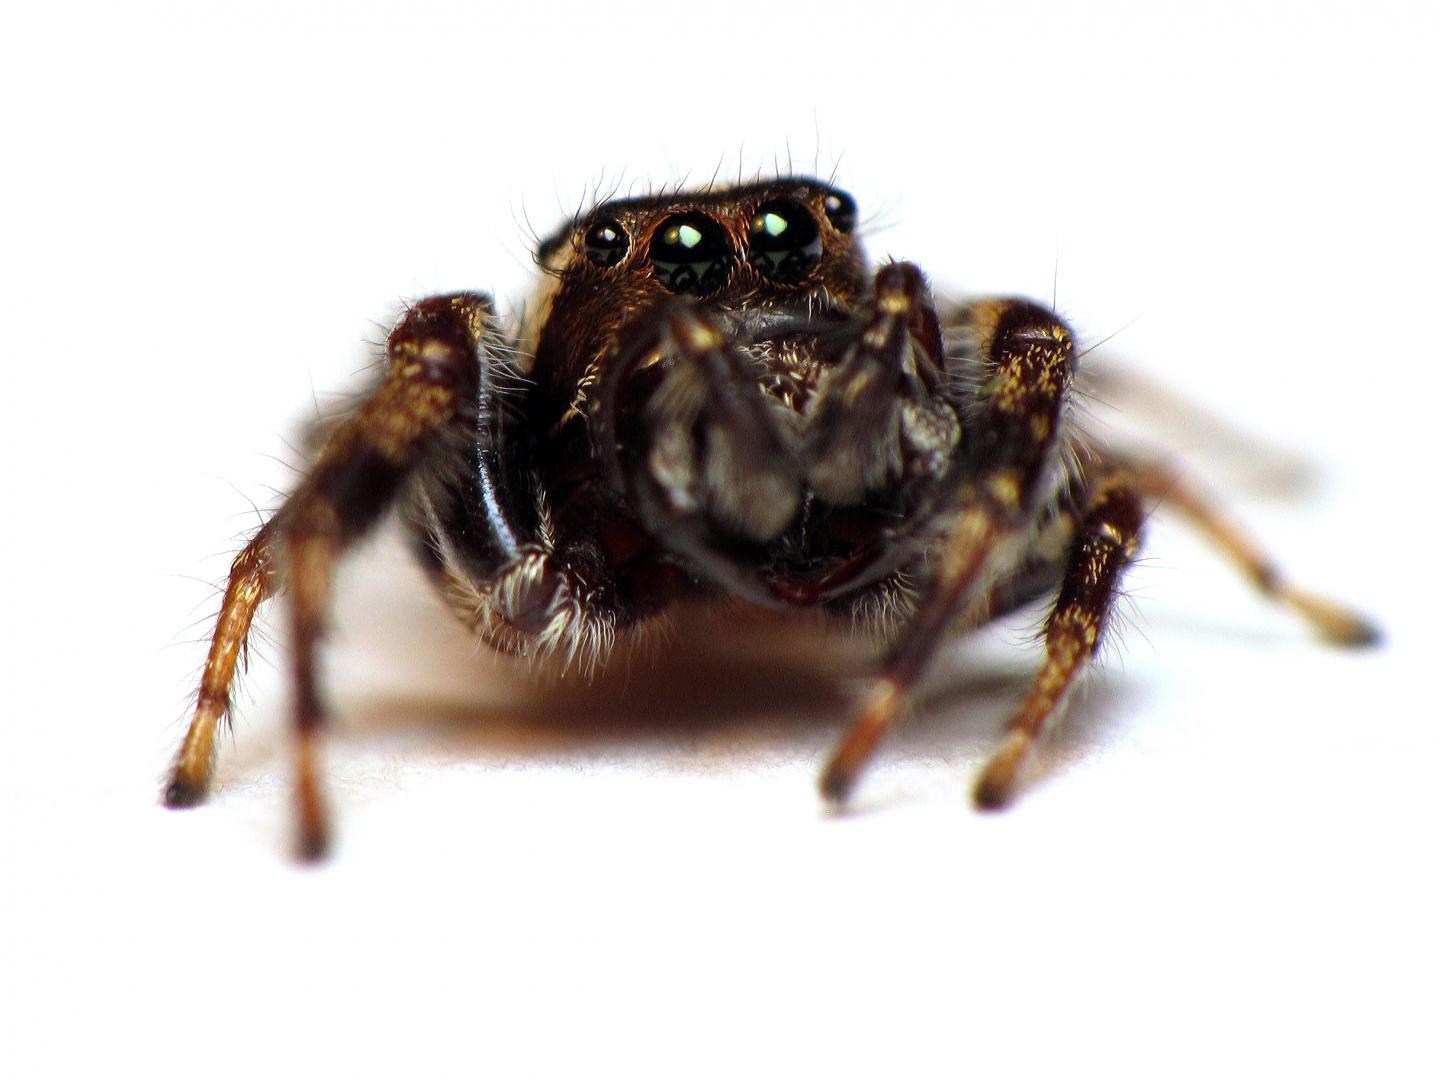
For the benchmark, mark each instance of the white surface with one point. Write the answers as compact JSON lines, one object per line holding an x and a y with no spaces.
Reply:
{"x":1227,"y":866}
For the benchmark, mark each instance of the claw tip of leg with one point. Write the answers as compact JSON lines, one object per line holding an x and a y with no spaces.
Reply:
{"x":993,"y":792}
{"x":835,"y":785}
{"x":1358,"y":633}
{"x":995,"y":789}
{"x":312,"y":846}
{"x":182,"y":793}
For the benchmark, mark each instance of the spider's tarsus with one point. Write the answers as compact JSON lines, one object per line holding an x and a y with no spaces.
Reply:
{"x":992,"y":794}
{"x":1334,"y":623}
{"x":836,"y":783}
{"x":858,"y":746}
{"x":995,"y":789}
{"x":182,"y":793}
{"x":312,"y":834}
{"x":1354,"y":633}
{"x":313,"y":847}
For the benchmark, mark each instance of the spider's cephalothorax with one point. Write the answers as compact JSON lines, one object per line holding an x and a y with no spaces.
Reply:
{"x":712,"y":395}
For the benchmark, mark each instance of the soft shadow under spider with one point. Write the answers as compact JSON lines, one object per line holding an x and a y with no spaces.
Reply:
{"x":778,"y":701}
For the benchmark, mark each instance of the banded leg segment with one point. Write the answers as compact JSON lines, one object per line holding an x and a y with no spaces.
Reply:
{"x":964,"y":566}
{"x":253,"y":579}
{"x":1107,"y":541}
{"x":1011,"y":443}
{"x":426,"y":397}
{"x":1163,"y":485}
{"x":428,"y":393}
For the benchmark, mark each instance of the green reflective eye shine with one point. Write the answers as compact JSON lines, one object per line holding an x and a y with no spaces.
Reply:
{"x":691,"y":254}
{"x":840,"y":209}
{"x":784,"y":241}
{"x":606,"y":243}
{"x":771,"y":223}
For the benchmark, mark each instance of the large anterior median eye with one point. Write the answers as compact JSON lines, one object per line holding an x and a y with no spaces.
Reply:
{"x":784,"y":240}
{"x":691,"y":254}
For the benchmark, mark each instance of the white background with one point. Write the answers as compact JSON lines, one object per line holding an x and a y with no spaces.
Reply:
{"x":1225,"y":865}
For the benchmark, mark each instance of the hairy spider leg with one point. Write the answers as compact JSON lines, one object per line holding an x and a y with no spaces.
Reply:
{"x":427,"y":394}
{"x":1163,"y":486}
{"x":363,"y":466}
{"x":254,"y":578}
{"x":1011,"y":445}
{"x":1107,"y":541}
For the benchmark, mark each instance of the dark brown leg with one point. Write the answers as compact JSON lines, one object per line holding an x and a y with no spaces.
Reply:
{"x":1163,"y":485}
{"x":1027,"y":361}
{"x":1108,"y":539}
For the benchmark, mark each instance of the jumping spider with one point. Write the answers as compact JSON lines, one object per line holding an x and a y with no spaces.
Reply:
{"x":713,"y":396}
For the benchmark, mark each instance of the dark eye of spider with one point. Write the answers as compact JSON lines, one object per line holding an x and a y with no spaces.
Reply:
{"x":840,"y":209}
{"x":691,"y":254}
{"x":606,"y":243}
{"x":784,"y":240}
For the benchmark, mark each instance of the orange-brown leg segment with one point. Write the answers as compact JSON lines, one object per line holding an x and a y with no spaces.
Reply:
{"x":963,"y":567}
{"x":1027,"y":360}
{"x":1108,"y":539}
{"x":1163,"y":485}
{"x":253,"y":579}
{"x":427,"y":395}
{"x":434,"y":358}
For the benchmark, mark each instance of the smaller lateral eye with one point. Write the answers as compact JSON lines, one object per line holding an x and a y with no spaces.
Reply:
{"x":606,"y":243}
{"x":840,"y":209}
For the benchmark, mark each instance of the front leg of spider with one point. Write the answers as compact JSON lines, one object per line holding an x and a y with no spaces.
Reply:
{"x":1107,"y":541}
{"x":426,"y":396}
{"x":1009,"y":451}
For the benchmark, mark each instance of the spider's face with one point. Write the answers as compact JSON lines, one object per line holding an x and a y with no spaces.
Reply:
{"x":778,"y":248}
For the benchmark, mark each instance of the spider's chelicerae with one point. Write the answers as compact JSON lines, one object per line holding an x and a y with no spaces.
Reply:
{"x":714,"y":396}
